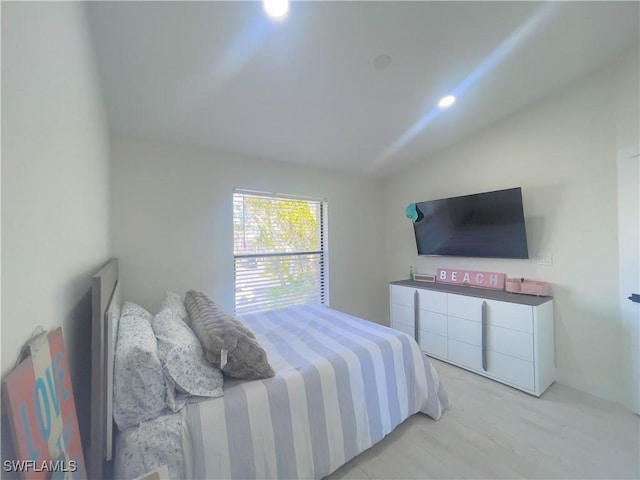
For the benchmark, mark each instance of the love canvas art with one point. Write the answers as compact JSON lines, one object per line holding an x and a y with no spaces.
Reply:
{"x":39,"y":400}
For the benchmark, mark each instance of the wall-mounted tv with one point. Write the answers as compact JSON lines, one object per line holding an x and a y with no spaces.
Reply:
{"x":487,"y":224}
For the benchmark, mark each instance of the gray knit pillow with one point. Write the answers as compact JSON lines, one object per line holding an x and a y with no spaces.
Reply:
{"x":221,"y":334}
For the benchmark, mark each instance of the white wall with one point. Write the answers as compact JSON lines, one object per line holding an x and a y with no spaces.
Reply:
{"x":173,"y":226}
{"x":55,"y":174}
{"x":562,"y":152}
{"x":628,"y":140}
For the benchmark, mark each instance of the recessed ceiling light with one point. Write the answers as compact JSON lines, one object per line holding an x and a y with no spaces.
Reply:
{"x":276,"y":8}
{"x":447,"y":101}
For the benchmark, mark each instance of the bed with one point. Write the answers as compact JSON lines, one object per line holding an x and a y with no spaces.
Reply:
{"x":341,"y":384}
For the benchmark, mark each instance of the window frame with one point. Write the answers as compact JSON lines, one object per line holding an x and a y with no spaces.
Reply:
{"x":323,"y":252}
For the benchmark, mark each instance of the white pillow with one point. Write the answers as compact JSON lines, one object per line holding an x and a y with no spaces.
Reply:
{"x":139,"y":391}
{"x":174,"y":302}
{"x":186,"y":370}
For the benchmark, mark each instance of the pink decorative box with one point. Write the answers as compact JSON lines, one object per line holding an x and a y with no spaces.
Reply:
{"x":527,"y":287}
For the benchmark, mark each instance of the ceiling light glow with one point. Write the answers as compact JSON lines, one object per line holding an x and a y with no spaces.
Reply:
{"x":276,"y":8}
{"x":447,"y":101}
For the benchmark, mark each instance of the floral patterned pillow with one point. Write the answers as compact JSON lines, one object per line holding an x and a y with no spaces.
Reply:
{"x":186,"y":370}
{"x":174,"y":302}
{"x":150,"y":445}
{"x":139,"y":391}
{"x":133,"y":309}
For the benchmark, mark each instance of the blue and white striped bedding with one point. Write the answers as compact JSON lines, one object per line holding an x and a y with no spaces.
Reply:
{"x":341,"y":385}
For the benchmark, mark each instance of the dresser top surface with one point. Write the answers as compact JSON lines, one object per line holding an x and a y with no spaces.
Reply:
{"x":476,"y":292}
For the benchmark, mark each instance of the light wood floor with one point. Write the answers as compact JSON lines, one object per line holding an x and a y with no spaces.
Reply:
{"x":494,"y":431}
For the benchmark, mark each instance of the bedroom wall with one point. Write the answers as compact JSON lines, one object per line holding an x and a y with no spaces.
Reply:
{"x":55,"y":174}
{"x":172,"y":222}
{"x":562,"y":152}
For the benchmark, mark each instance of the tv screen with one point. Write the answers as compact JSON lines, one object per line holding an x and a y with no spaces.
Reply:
{"x":481,"y":225}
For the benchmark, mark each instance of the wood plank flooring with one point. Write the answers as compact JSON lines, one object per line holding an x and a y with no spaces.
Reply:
{"x":494,"y":431}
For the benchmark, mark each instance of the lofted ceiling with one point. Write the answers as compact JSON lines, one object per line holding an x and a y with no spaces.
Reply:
{"x":348,"y":86}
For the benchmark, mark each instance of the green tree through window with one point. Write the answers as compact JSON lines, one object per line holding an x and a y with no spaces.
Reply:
{"x":279,"y":251}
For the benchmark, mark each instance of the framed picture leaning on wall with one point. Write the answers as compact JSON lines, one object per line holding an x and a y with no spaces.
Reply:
{"x":38,"y":399}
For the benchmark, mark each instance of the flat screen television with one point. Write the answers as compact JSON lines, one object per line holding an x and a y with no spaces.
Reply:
{"x":487,"y":224}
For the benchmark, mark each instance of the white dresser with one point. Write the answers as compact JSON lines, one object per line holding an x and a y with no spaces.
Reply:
{"x":503,"y":336}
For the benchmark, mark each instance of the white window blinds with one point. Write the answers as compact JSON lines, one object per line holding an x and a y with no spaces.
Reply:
{"x":279,"y":251}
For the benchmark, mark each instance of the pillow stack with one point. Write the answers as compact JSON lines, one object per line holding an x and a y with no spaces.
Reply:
{"x":177,"y":357}
{"x":186,"y":370}
{"x":226,"y":341}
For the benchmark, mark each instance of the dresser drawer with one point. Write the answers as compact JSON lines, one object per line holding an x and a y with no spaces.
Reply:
{"x":401,"y":327}
{"x":510,"y":342}
{"x":461,"y":306}
{"x":432,"y":301}
{"x":433,"y":344}
{"x":402,"y":295}
{"x":510,"y":315}
{"x":432,"y":322}
{"x":402,"y":318}
{"x":501,"y":340}
{"x":465,"y":354}
{"x":513,"y":371}
{"x":466,"y":331}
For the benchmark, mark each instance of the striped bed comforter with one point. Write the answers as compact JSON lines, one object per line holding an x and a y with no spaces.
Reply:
{"x":341,"y":385}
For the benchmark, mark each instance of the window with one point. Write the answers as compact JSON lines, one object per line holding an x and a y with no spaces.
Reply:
{"x":279,"y":251}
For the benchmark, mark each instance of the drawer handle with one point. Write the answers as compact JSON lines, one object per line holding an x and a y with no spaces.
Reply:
{"x":484,"y":336}
{"x":416,"y":315}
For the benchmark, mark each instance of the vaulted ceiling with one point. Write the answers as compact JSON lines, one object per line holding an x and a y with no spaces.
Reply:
{"x":349,"y":86}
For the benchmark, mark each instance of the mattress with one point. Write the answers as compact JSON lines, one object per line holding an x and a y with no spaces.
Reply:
{"x":341,"y":385}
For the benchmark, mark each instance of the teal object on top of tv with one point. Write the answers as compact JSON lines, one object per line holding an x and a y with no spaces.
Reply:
{"x":412,"y":212}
